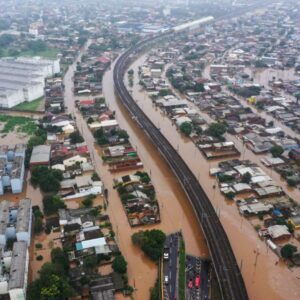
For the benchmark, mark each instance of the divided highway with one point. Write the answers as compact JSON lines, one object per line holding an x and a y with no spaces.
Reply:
{"x":228,"y":273}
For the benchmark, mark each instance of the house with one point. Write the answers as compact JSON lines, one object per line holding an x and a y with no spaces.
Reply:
{"x":40,"y":155}
{"x":99,"y":245}
{"x":295,"y":221}
{"x":277,"y":232}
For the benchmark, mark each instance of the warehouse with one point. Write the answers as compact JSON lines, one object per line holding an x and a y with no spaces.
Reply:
{"x":22,"y":79}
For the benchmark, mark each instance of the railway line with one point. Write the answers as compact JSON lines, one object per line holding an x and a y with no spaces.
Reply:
{"x":228,"y":273}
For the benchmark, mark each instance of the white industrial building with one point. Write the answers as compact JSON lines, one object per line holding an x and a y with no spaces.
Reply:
{"x":23,"y":79}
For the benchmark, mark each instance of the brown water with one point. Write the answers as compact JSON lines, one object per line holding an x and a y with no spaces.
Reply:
{"x":264,"y":280}
{"x":176,"y":213}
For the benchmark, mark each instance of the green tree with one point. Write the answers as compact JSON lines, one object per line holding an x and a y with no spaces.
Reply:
{"x":246,"y":178}
{"x":60,"y":257}
{"x":90,"y":262}
{"x":75,"y":137}
{"x":288,"y":250}
{"x":119,"y":264}
{"x":186,"y":128}
{"x":38,"y":225}
{"x":88,"y":201}
{"x":52,"y":204}
{"x":216,"y":129}
{"x":151,"y":242}
{"x":199,"y":87}
{"x":276,"y":151}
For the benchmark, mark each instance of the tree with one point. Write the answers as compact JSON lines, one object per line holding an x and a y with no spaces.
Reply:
{"x":130,"y":72}
{"x":186,"y":128}
{"x":151,"y":242}
{"x":81,"y":41}
{"x":88,"y":201}
{"x":52,"y":204}
{"x":199,"y":87}
{"x":95,"y":177}
{"x":58,"y":256}
{"x":38,"y":225}
{"x":36,"y":46}
{"x":76,"y":137}
{"x":276,"y":151}
{"x":246,"y":178}
{"x":216,"y":129}
{"x":291,"y":182}
{"x":119,"y":264}
{"x":90,"y":262}
{"x":90,"y":120}
{"x":52,"y":284}
{"x":122,"y":134}
{"x":288,"y":250}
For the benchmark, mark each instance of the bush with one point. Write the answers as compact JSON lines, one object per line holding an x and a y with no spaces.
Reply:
{"x":95,"y":177}
{"x":186,"y":128}
{"x":75,"y":137}
{"x":119,"y":264}
{"x":52,"y":204}
{"x":291,"y":182}
{"x":276,"y":151}
{"x":38,"y":246}
{"x":151,"y":242}
{"x":288,"y":250}
{"x":39,"y":257}
{"x":216,"y":129}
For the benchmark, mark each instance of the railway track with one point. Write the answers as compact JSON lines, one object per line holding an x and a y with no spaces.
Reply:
{"x":228,"y":273}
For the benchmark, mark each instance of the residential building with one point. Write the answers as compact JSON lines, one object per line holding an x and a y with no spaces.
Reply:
{"x":12,"y":168}
{"x":15,"y":221}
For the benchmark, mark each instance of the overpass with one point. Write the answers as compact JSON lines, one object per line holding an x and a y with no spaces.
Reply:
{"x":228,"y":273}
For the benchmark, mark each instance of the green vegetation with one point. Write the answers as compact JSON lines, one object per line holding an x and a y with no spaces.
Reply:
{"x":216,"y":129}
{"x":18,"y":123}
{"x":53,"y":283}
{"x":151,"y":242}
{"x":88,"y":200}
{"x":48,"y":180}
{"x":76,"y":137}
{"x":38,"y":246}
{"x":119,"y":264}
{"x":52,"y":204}
{"x":186,"y":128}
{"x":246,"y":178}
{"x":155,"y":291}
{"x":31,"y":106}
{"x":39,"y":257}
{"x":95,"y":177}
{"x":144,"y":177}
{"x":181,"y":270}
{"x":288,"y":250}
{"x":276,"y":151}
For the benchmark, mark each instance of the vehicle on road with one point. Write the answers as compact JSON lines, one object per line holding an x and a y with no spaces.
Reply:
{"x":166,"y":253}
{"x":166,"y":279}
{"x":190,"y":284}
{"x":197,"y":281}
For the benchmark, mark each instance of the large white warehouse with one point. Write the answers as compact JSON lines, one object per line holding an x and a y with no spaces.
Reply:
{"x":23,"y":79}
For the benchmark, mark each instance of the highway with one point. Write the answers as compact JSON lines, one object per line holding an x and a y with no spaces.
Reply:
{"x":228,"y":273}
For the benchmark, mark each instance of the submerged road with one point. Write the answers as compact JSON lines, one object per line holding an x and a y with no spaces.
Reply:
{"x":228,"y":273}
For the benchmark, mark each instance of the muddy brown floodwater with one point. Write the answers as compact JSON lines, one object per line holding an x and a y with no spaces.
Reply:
{"x":176,"y":212}
{"x":264,"y":275}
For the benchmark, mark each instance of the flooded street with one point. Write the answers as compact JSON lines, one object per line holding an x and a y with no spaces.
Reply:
{"x":263,"y":279}
{"x":176,"y":213}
